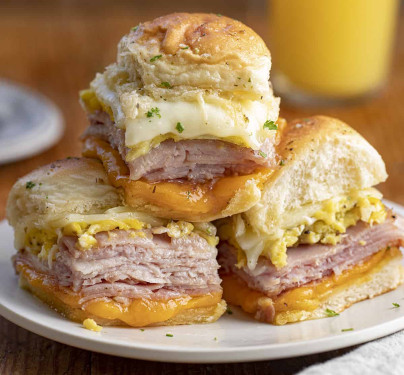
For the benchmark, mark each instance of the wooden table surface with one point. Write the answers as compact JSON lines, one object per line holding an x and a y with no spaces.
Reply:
{"x":56,"y":47}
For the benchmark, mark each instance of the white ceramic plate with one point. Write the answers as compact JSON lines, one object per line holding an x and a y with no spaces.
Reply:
{"x":29,"y":123}
{"x":238,"y":337}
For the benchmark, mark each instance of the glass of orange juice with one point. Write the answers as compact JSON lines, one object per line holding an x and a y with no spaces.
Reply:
{"x":330,"y":50}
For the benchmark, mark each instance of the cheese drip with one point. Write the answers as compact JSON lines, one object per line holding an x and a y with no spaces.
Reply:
{"x":293,"y":305}
{"x":137,"y":313}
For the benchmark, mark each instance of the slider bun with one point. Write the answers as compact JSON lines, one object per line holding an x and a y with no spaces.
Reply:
{"x":62,"y":187}
{"x":203,"y":51}
{"x":322,"y":158}
{"x":198,"y":315}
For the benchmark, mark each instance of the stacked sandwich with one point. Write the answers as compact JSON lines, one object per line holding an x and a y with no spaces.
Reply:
{"x":182,"y":131}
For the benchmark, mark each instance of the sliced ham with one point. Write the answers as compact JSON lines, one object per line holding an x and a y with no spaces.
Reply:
{"x":307,"y":263}
{"x":125,"y":265}
{"x":193,"y":159}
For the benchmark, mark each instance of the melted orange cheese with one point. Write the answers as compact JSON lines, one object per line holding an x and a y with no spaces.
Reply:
{"x":139,"y":313}
{"x":305,"y":298}
{"x":181,"y":200}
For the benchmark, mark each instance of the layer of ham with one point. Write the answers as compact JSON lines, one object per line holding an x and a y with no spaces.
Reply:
{"x":193,"y":159}
{"x":307,"y":263}
{"x":124,"y":265}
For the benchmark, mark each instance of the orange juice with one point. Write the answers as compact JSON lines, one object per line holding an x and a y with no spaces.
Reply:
{"x":332,"y":48}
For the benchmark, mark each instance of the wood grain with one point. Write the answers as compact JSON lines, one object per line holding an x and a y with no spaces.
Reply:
{"x":56,"y":47}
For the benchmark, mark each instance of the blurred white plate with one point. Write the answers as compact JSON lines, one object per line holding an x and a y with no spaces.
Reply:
{"x":239,"y":337}
{"x":29,"y":123}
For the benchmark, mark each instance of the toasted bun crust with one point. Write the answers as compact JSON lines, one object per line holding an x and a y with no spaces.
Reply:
{"x":382,"y":281}
{"x":322,"y":158}
{"x":199,"y":315}
{"x":205,"y":51}
{"x":76,"y":185}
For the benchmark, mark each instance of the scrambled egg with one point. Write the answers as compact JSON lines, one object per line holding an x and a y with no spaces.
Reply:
{"x":91,"y":103}
{"x":85,"y":232}
{"x":324,"y":226}
{"x":42,"y":241}
{"x":91,"y":325}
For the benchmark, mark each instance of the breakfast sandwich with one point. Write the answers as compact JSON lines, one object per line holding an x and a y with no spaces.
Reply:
{"x":90,"y":257}
{"x":185,"y":121}
{"x":320,"y":239}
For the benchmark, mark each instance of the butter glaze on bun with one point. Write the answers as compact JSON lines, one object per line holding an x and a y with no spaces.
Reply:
{"x":203,"y":51}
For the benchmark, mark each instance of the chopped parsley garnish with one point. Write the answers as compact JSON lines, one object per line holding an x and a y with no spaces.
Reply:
{"x":142,"y":329}
{"x":153,"y":59}
{"x":270,"y":125}
{"x":347,"y":329}
{"x":154,"y":111}
{"x":228,"y":311}
{"x":282,"y":162}
{"x":169,"y":335}
{"x":188,"y":194}
{"x":167,"y":85}
{"x":219,"y":15}
{"x":263,"y":154}
{"x":331,"y":312}
{"x":396,"y":304}
{"x":215,"y":338}
{"x":249,"y":79}
{"x":179,"y":127}
{"x":29,"y":185}
{"x":135,"y":28}
{"x":186,"y":47}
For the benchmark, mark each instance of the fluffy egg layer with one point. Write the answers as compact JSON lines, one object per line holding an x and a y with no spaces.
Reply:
{"x":42,"y":240}
{"x":325,"y":224}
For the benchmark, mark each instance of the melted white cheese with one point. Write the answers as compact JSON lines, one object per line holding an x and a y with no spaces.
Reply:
{"x":201,"y":115}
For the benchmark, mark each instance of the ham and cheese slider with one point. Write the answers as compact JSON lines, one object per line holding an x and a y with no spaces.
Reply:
{"x":185,"y":119}
{"x":88,"y":256}
{"x":320,"y":239}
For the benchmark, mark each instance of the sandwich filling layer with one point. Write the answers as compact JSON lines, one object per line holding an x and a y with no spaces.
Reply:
{"x":177,"y":199}
{"x":324,"y":222}
{"x":309,"y":301}
{"x":139,"y":277}
{"x":308,"y":265}
{"x":169,"y":157}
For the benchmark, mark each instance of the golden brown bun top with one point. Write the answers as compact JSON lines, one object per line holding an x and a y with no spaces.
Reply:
{"x":194,"y":52}
{"x":322,"y":158}
{"x":205,"y":34}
